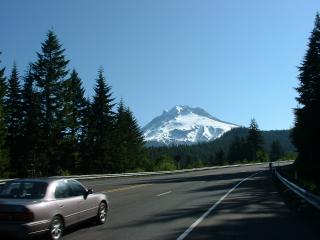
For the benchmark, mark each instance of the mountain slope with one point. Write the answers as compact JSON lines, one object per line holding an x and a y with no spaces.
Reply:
{"x":184,"y":125}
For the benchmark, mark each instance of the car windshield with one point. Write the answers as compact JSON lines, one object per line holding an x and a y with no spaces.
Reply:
{"x":24,"y":190}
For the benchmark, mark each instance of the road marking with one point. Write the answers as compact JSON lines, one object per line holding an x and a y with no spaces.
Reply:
{"x":196,"y":223}
{"x":165,"y":193}
{"x":101,"y":184}
{"x":107,"y":183}
{"x":127,"y":188}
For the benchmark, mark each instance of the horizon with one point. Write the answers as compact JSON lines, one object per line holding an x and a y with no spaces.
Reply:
{"x":237,"y":61}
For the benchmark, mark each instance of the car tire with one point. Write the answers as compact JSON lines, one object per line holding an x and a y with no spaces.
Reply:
{"x":102,"y":213}
{"x":56,"y":228}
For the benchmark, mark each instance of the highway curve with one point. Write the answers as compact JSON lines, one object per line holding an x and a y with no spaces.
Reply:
{"x":208,"y":204}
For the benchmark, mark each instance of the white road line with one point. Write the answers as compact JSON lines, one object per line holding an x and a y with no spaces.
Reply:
{"x":165,"y":193}
{"x":107,"y":183}
{"x":126,"y":188}
{"x":186,"y":233}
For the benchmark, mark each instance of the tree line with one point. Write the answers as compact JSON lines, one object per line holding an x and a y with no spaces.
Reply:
{"x":240,"y":145}
{"x":48,"y":126}
{"x":251,"y":148}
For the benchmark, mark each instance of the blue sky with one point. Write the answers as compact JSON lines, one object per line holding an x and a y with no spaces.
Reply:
{"x":236,"y":59}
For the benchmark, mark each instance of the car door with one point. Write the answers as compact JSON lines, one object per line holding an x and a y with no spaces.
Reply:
{"x":87,"y":203}
{"x":68,"y":204}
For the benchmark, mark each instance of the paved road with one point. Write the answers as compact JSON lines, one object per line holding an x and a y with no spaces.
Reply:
{"x":165,"y":207}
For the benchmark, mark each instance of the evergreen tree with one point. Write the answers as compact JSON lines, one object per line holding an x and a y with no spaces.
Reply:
{"x":276,"y":151}
{"x":14,"y":118}
{"x":50,"y":71}
{"x":86,"y":123}
{"x":254,"y":140}
{"x":129,"y":153}
{"x":84,"y":166}
{"x":121,"y":128}
{"x":237,"y":150}
{"x":177,"y":158}
{"x":31,"y":125}
{"x":74,"y":113}
{"x":220,"y":157}
{"x":4,"y":160}
{"x":101,"y":126}
{"x":307,"y":116}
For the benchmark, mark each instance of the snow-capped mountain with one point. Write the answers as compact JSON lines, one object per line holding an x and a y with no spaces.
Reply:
{"x":184,"y":125}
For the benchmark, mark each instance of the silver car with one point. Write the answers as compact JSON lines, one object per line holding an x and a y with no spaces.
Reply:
{"x":47,"y":206}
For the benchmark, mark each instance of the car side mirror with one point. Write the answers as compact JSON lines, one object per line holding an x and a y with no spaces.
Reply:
{"x":87,"y":193}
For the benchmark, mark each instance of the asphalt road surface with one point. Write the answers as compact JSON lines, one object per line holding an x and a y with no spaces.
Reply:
{"x":230,"y":203}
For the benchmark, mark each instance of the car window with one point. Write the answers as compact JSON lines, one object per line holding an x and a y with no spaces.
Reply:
{"x":76,"y":188}
{"x":62,"y":190}
{"x":24,"y":190}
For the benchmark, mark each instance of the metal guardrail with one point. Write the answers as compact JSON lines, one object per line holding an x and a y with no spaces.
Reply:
{"x":139,"y":174}
{"x":307,"y":196}
{"x":97,"y":176}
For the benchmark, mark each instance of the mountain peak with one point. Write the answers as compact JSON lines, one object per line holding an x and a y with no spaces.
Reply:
{"x":179,"y":108}
{"x":184,"y":125}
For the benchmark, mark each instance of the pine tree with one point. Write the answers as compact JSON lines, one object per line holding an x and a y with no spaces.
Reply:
{"x":306,"y":131}
{"x":74,"y":113}
{"x":121,"y":152}
{"x":101,"y":126}
{"x":50,"y":71}
{"x":136,"y":140}
{"x":276,"y":151}
{"x":85,"y":164}
{"x":254,"y":140}
{"x":237,"y":150}
{"x":129,"y":141}
{"x":220,"y":157}
{"x":4,"y":160}
{"x":14,"y":117}
{"x":31,"y":125}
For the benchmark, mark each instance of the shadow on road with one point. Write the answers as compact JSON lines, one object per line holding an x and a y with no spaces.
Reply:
{"x":213,"y":176}
{"x":255,"y":210}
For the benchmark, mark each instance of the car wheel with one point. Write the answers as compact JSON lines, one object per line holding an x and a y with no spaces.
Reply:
{"x":102,"y":213}
{"x":56,"y":228}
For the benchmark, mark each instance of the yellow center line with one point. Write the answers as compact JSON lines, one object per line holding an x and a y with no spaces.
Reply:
{"x":127,"y":188}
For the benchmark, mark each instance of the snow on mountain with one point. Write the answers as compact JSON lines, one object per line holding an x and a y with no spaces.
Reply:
{"x":184,"y":125}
